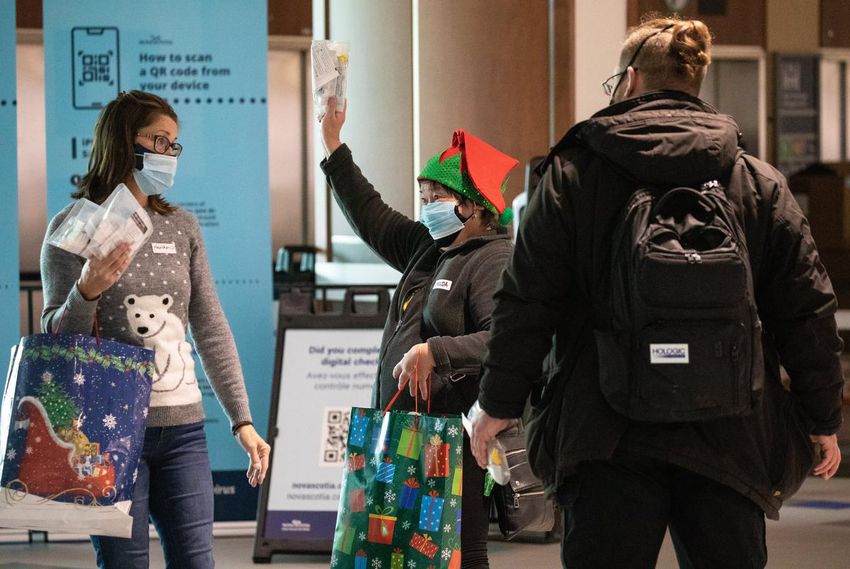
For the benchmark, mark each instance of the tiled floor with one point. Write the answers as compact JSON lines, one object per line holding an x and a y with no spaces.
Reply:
{"x":814,"y":533}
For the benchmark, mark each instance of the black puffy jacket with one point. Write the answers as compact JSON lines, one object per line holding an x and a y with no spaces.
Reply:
{"x":558,"y":275}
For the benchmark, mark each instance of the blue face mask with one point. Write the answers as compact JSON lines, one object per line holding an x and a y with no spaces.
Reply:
{"x":154,"y":173}
{"x":441,"y":219}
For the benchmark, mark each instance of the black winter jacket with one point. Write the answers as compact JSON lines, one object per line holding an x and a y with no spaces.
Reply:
{"x":558,"y":274}
{"x":445,"y":295}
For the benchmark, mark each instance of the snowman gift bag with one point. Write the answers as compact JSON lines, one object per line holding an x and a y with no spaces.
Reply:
{"x":72,"y":424}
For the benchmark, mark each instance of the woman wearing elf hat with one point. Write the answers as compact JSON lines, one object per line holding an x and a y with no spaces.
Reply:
{"x":450,"y":263}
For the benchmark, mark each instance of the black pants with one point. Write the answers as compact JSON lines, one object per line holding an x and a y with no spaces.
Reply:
{"x":616,"y":513}
{"x":475,"y":515}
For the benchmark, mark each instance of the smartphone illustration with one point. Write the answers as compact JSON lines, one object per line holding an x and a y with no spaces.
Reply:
{"x":95,"y":66}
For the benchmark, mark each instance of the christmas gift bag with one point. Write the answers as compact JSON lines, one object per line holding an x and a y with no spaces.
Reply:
{"x":410,"y":444}
{"x":386,"y":471}
{"x":454,"y":553}
{"x":382,"y":525}
{"x":431,"y":512}
{"x":360,"y":560}
{"x":437,"y":457}
{"x":72,"y":425}
{"x":357,"y":435}
{"x":409,"y":493}
{"x":355,"y":462}
{"x":398,"y":509}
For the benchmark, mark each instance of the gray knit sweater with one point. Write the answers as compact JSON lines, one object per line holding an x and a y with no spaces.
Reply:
{"x":167,"y":286}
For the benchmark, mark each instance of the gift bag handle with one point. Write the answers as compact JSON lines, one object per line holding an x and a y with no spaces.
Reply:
{"x":416,"y":396}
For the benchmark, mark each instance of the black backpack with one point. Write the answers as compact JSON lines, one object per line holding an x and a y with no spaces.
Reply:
{"x":683,"y":337}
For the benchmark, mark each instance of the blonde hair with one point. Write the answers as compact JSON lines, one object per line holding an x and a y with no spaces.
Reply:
{"x":677,"y":57}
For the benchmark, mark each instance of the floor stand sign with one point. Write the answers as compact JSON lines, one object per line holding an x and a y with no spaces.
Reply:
{"x":9,"y":265}
{"x":209,"y":60}
{"x":325,"y":364}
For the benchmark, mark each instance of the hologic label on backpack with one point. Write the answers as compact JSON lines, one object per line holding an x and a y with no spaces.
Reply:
{"x":669,"y":354}
{"x":681,"y":290}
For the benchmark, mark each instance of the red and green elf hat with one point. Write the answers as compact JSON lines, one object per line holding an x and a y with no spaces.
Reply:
{"x":474,"y":169}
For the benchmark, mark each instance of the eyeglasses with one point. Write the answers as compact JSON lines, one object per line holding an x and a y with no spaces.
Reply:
{"x":435,"y":189}
{"x":608,"y":86}
{"x":161,"y":144}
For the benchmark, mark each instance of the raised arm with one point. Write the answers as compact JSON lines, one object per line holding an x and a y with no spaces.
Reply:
{"x":392,"y":235}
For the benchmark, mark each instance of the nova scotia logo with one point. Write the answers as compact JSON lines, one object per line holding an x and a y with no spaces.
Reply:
{"x":296,"y":525}
{"x":669,"y":354}
{"x":155,"y":40}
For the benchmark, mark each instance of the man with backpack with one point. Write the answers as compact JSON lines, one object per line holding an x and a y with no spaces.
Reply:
{"x":664,"y":275}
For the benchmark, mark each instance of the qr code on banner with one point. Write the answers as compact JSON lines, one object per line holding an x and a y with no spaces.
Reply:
{"x":97,"y":67}
{"x":334,"y":436}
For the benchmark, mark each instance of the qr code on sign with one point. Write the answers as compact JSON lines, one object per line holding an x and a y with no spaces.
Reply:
{"x":96,"y":68}
{"x":334,"y":436}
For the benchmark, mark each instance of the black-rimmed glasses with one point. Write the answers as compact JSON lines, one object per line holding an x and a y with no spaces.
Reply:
{"x":161,"y":144}
{"x":608,"y":86}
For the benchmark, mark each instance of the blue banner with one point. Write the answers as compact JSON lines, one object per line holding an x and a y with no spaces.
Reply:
{"x":209,"y":59}
{"x":9,"y":264}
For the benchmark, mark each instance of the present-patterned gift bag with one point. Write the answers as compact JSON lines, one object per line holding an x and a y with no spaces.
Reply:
{"x":344,"y":540}
{"x":386,"y":471}
{"x":392,"y":508}
{"x":72,"y":426}
{"x":410,"y":444}
{"x":424,"y":544}
{"x":397,"y":559}
{"x":357,"y":434}
{"x":454,"y":560}
{"x":409,"y":493}
{"x":381,"y":525}
{"x":357,"y":500}
{"x":431,"y":512}
{"x":360,"y":560}
{"x":380,"y":441}
{"x":437,"y":457}
{"x":355,"y":462}
{"x":457,"y":482}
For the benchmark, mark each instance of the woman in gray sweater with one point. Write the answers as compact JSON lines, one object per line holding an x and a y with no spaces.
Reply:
{"x":450,"y":264}
{"x":150,"y":298}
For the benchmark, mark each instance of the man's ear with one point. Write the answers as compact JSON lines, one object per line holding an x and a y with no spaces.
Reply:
{"x":631,"y":83}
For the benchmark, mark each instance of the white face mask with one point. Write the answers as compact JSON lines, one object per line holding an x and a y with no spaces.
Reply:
{"x":157,"y":173}
{"x":440,"y":218}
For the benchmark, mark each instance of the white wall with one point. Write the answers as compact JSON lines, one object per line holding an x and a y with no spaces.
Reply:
{"x":600,"y":27}
{"x":379,"y":123}
{"x":286,"y":151}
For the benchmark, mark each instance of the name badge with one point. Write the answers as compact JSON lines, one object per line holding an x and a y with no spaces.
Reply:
{"x":443,"y":284}
{"x":164,"y":248}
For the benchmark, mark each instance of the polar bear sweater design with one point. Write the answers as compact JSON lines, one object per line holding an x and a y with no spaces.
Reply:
{"x":166,"y":292}
{"x":163,"y":332}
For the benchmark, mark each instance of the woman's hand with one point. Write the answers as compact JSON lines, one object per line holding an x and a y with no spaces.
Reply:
{"x":258,"y":452}
{"x":414,"y":369}
{"x":331,"y":126}
{"x":99,"y":274}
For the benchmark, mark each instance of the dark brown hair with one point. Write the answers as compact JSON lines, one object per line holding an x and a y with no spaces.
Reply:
{"x":112,"y":157}
{"x":676,"y":58}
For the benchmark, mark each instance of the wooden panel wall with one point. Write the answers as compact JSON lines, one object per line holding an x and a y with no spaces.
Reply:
{"x":733,"y":22}
{"x":484,"y":67}
{"x":835,"y":23}
{"x":286,"y":17}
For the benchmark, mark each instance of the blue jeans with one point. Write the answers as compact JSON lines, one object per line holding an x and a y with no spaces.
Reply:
{"x":174,"y":489}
